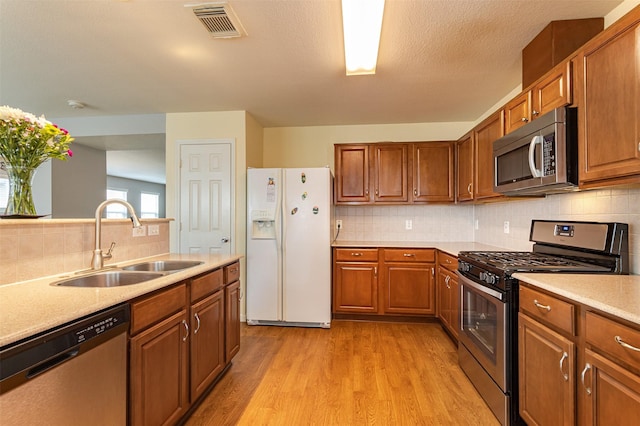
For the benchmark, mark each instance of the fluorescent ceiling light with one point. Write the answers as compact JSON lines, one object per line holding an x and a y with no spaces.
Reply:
{"x":361,"y":23}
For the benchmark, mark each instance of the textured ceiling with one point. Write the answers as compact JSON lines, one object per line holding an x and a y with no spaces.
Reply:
{"x":439,"y":60}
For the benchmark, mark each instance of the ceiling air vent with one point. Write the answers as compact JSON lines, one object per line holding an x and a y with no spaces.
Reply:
{"x":219,"y":19}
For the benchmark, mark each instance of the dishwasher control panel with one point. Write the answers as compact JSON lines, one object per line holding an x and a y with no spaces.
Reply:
{"x":101,"y":325}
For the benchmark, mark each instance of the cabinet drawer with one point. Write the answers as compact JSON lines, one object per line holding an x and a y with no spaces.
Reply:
{"x":548,"y":309}
{"x":206,"y":284}
{"x":232,"y":273}
{"x":409,"y":255}
{"x":615,"y":339}
{"x":447,"y":261}
{"x":357,"y":255}
{"x":150,"y":310}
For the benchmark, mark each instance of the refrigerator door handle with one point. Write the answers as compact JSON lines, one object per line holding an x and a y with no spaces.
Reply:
{"x":280,"y":228}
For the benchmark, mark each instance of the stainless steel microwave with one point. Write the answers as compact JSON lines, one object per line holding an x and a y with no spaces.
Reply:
{"x":540,"y":157}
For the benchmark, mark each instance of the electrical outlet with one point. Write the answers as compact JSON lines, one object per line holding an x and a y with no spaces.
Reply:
{"x":154,"y":229}
{"x":339,"y":224}
{"x":140,"y":232}
{"x":408,"y":224}
{"x":506,"y":226}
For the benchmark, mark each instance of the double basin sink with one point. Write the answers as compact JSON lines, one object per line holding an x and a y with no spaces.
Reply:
{"x":128,"y":275}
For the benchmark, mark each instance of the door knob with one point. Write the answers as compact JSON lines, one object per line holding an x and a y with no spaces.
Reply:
{"x":224,"y":239}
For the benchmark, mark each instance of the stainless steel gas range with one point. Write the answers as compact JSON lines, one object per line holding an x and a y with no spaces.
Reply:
{"x":488,"y":349}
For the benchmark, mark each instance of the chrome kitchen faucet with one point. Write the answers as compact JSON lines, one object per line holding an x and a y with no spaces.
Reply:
{"x":97,"y":262}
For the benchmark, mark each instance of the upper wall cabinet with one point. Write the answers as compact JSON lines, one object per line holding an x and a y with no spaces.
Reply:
{"x":609,"y":105}
{"x":551,"y":91}
{"x":394,"y":173}
{"x":475,"y":159}
{"x":352,"y":173}
{"x":433,"y":172}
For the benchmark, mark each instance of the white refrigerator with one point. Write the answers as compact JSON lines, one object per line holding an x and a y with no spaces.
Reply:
{"x":289,"y":218}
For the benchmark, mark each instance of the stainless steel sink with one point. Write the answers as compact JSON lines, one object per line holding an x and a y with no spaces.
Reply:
{"x":163,"y":265}
{"x":109,"y":279}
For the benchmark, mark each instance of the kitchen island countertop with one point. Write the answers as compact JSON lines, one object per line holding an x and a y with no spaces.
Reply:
{"x":618,"y":295}
{"x":30,"y":307}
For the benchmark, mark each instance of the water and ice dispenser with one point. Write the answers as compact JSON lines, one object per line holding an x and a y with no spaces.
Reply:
{"x":264,"y":224}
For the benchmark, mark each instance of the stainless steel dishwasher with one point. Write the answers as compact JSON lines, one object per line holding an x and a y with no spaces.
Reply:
{"x":75,"y":374}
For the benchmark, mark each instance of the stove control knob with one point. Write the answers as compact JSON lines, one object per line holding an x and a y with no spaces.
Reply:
{"x":464,"y":266}
{"x":488,"y":277}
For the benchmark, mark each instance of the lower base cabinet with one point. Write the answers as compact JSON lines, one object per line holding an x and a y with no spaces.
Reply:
{"x":182,"y":339}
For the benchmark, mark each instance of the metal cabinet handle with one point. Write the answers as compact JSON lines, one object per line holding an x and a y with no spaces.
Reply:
{"x":375,"y":271}
{"x":409,"y":255}
{"x":587,"y":367}
{"x":446,"y":281}
{"x":524,"y":119}
{"x":469,"y":188}
{"x":415,"y":192}
{"x":366,"y":192}
{"x":541,"y":306}
{"x":534,"y":112}
{"x":625,"y":345}
{"x":356,"y":254}
{"x":186,"y":328}
{"x":565,"y":375}
{"x":376,"y":192}
{"x":198,"y":323}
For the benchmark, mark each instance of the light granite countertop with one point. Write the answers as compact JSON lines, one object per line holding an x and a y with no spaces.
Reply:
{"x":617,"y":295}
{"x":453,"y":248}
{"x":31,"y":307}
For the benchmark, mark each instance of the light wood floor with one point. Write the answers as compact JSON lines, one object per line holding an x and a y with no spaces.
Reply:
{"x":356,"y":373}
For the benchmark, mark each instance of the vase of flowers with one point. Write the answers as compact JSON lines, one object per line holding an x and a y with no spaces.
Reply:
{"x":27,"y":141}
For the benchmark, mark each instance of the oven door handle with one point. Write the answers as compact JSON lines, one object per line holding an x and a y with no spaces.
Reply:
{"x":479,"y":287}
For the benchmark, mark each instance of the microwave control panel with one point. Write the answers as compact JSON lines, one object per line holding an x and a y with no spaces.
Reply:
{"x":549,"y":155}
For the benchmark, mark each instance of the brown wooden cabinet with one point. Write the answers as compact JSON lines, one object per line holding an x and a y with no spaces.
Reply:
{"x":448,"y":293}
{"x":159,"y":358}
{"x":355,"y":280}
{"x":207,"y":342}
{"x":465,"y":168}
{"x":609,"y":105}
{"x":576,"y":364}
{"x":550,"y":92}
{"x":394,"y":173}
{"x":485,"y":134}
{"x":352,"y":173}
{"x":610,"y":376}
{"x":546,"y":365}
{"x":408,"y":281}
{"x":232,"y":310}
{"x":390,"y":172}
{"x":182,"y":338}
{"x":433,"y":172}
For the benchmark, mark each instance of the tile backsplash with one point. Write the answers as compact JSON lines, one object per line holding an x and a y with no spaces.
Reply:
{"x":458,"y":222}
{"x":32,"y":249}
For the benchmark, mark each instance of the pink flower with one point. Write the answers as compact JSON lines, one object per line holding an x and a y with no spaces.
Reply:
{"x":70,"y":153}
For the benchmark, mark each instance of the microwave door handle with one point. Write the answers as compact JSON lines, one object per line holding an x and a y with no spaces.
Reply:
{"x":536,"y":140}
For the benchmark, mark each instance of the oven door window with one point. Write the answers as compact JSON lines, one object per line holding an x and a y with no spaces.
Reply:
{"x":480,"y":322}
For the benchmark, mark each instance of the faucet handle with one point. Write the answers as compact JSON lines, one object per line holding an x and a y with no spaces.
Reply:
{"x":108,"y":255}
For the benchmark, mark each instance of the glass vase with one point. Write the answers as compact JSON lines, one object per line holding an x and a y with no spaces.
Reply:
{"x":20,"y":200}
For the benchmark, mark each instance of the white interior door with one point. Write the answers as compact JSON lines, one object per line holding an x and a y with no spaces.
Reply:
{"x":205,"y":198}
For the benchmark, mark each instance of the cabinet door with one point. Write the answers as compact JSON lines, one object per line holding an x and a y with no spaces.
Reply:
{"x":433,"y":172}
{"x":610,"y":142}
{"x":612,"y":392}
{"x":159,"y":372}
{"x":355,"y":287}
{"x":552,"y":92}
{"x":390,"y":171}
{"x":232,"y":312}
{"x":455,"y":305}
{"x":409,"y":289}
{"x":207,"y":342}
{"x":443,"y":296}
{"x":546,"y":373}
{"x":464,"y":171}
{"x":486,"y":133}
{"x":352,"y":173}
{"x":518,"y":112}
